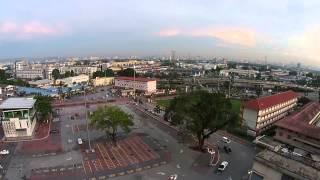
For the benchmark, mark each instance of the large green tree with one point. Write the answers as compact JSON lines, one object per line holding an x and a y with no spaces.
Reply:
{"x":55,"y":75}
{"x":44,"y":107}
{"x":201,"y":113}
{"x":127,"y":72}
{"x":105,"y":73}
{"x":111,"y":119}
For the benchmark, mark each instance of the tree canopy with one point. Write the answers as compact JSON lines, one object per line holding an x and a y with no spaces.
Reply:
{"x":201,"y":113}
{"x":44,"y":107}
{"x":105,"y":73}
{"x":55,"y":74}
{"x":110,"y":119}
{"x":126,"y":72}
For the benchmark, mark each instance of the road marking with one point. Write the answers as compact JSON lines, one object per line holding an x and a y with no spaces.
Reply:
{"x":84,"y":168}
{"x":102,"y":154}
{"x":121,"y":173}
{"x":88,"y":162}
{"x":69,"y":158}
{"x":112,"y":175}
{"x":138,"y":169}
{"x":102,"y":177}
{"x":130,"y":171}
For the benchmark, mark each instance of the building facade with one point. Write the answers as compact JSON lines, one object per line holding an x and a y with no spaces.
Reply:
{"x":70,"y":81}
{"x":301,"y":129}
{"x":18,"y":117}
{"x":260,"y":114}
{"x":102,"y":81}
{"x":146,"y":85}
{"x":31,"y":73}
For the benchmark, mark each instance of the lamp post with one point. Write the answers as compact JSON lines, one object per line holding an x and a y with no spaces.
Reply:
{"x":134,"y":82}
{"x":86,"y":110}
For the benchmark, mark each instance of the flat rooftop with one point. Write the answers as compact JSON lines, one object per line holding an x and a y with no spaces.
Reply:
{"x":281,"y":162}
{"x":17,"y":103}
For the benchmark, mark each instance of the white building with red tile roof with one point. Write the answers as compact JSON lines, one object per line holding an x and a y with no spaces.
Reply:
{"x":261,"y":113}
{"x":147,"y":85}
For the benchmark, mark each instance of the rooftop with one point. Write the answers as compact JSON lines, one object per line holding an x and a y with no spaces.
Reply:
{"x":141,"y":79}
{"x":269,"y":101}
{"x":17,"y":103}
{"x":300,"y":121}
{"x":283,"y":163}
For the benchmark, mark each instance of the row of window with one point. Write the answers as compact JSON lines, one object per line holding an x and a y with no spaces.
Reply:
{"x":268,"y":116}
{"x":270,"y":121}
{"x":276,"y":107}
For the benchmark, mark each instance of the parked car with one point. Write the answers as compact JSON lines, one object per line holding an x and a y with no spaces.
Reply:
{"x":226,"y":140}
{"x":222,"y":166}
{"x":4,"y":152}
{"x":80,"y":141}
{"x":173,"y":177}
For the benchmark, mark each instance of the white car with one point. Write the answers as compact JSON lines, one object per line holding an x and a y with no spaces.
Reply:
{"x":173,"y":177}
{"x":223,"y":166}
{"x":80,"y":141}
{"x":226,"y":140}
{"x":4,"y":152}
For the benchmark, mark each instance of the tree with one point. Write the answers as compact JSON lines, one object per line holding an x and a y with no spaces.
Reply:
{"x":258,"y":89}
{"x":106,"y":73}
{"x":293,"y":73}
{"x":67,"y":74}
{"x":111,"y":119}
{"x":309,"y":74}
{"x":126,"y":72}
{"x":43,"y":106}
{"x":3,"y":75}
{"x":55,"y":75}
{"x":72,"y":73}
{"x":201,"y":113}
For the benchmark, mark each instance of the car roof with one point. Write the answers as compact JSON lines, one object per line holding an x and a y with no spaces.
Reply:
{"x":224,"y":163}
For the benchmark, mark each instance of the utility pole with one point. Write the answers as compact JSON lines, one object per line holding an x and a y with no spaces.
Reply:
{"x":86,"y":110}
{"x":134,"y":82}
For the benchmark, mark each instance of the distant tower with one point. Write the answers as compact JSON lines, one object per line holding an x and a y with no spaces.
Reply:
{"x":298,"y":65}
{"x":173,"y":55}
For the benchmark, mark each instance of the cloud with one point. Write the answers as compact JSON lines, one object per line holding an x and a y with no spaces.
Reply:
{"x":230,"y":35}
{"x":168,"y":32}
{"x":22,"y":31}
{"x":306,"y":44}
{"x":225,"y":35}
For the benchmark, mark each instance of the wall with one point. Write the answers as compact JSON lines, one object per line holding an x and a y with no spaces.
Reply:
{"x":267,"y":172}
{"x":250,"y":118}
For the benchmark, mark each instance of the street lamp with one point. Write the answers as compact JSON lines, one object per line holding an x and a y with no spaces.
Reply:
{"x":86,"y":110}
{"x":134,"y":82}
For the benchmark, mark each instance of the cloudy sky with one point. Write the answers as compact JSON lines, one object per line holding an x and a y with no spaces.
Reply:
{"x":245,"y":29}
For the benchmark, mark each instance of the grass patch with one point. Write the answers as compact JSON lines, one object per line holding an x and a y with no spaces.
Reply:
{"x":163,"y":102}
{"x":236,"y":104}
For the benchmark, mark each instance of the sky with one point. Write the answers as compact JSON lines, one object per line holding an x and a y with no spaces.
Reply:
{"x":282,"y":31}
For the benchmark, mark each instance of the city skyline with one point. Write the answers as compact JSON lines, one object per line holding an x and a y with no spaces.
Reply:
{"x":284,"y":31}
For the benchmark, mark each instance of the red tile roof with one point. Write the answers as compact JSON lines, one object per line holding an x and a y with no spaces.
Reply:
{"x":299,"y":122}
{"x":141,"y":79}
{"x":269,"y":101}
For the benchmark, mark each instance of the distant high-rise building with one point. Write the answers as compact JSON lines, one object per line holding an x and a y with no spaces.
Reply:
{"x":298,"y":65}
{"x":173,"y":56}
